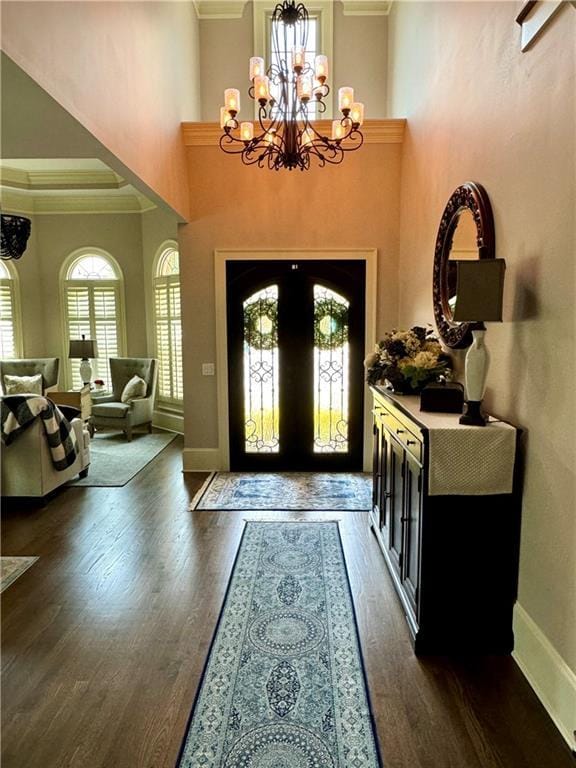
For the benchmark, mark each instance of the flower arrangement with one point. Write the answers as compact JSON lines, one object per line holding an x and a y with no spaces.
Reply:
{"x":408,"y":360}
{"x":98,"y":384}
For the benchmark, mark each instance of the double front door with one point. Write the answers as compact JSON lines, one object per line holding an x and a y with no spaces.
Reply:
{"x":295,"y":350}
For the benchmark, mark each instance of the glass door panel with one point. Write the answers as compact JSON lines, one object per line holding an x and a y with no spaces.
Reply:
{"x":260,"y":366}
{"x":331,"y":371}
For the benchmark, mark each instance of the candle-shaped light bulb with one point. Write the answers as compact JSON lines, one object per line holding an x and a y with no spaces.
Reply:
{"x":246,"y":131}
{"x":261,"y":89}
{"x":224,"y":117}
{"x":338,"y":130}
{"x":256,"y":67}
{"x":321,"y":67}
{"x":357,"y":113}
{"x":307,"y":137}
{"x":304,"y":87}
{"x":298,"y":57}
{"x":345,"y":99}
{"x":232,"y":100}
{"x":271,"y":136}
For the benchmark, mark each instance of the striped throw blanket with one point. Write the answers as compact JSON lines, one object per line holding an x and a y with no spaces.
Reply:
{"x":19,"y":411}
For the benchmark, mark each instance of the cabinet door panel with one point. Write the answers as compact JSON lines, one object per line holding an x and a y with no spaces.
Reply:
{"x":396,"y":475}
{"x":411,"y":520}
{"x":377,"y":470}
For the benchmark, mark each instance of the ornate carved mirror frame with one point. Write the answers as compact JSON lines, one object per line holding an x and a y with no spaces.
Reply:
{"x":472,"y":197}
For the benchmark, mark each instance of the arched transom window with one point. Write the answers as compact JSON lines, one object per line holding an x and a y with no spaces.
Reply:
{"x":168,"y":326}
{"x":93,"y":299}
{"x":10,"y":325}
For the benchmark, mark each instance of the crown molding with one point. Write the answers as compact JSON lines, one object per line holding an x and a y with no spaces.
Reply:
{"x":14,"y":177}
{"x":19,"y":201}
{"x":64,"y":179}
{"x":374,"y":131}
{"x":220,"y":9}
{"x":366,"y":7}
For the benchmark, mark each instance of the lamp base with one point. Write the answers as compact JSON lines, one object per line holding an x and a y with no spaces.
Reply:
{"x":472,"y":415}
{"x":85,"y":371}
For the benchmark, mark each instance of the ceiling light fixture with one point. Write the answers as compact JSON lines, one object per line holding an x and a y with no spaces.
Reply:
{"x":284,"y":135}
{"x":14,"y":234}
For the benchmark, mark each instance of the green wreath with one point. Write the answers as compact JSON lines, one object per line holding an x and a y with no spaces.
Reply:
{"x":261,"y":324}
{"x":330,"y":324}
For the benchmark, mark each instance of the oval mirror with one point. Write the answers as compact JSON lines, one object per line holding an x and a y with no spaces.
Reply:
{"x":466,"y":232}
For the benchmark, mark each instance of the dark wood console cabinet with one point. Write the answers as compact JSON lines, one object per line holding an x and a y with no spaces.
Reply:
{"x":453,"y":558}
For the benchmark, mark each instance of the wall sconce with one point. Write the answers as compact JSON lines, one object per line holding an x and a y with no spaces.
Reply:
{"x":86,"y":350}
{"x":479,"y":292}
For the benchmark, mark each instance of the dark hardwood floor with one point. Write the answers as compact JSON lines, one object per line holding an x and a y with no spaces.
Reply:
{"x":104,"y":639}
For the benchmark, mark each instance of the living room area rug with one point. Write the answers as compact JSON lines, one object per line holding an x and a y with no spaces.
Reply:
{"x":284,"y":683}
{"x":321,"y":491}
{"x":114,"y":461}
{"x":13,"y":567}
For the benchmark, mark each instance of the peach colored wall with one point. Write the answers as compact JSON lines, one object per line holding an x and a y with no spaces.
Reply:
{"x":354,"y":205}
{"x":127,"y":71}
{"x":479,"y":109}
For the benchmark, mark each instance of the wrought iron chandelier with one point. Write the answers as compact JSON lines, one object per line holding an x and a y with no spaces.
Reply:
{"x":284,"y":135}
{"x":14,"y":234}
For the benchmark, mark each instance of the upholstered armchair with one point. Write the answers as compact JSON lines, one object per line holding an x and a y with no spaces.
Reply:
{"x":109,"y":412}
{"x":27,"y":468}
{"x":48,"y":367}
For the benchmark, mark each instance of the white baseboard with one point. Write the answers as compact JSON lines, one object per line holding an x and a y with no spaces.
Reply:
{"x":201,"y":459}
{"x":171,"y":421}
{"x":551,"y":678}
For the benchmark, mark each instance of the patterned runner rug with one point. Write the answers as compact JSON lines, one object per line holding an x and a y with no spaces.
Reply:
{"x":13,"y":567}
{"x":284,"y":683}
{"x":328,"y":491}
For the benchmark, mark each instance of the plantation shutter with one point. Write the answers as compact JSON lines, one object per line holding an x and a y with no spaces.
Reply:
{"x":7,"y":329}
{"x":168,"y":338}
{"x":92,"y":311}
{"x":105,"y":329}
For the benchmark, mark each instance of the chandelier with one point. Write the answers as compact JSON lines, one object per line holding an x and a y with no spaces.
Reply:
{"x":288,"y":94}
{"x":14,"y":234}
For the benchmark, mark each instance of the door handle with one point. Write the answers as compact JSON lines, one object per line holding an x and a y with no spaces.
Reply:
{"x":411,"y":442}
{"x":400,"y":431}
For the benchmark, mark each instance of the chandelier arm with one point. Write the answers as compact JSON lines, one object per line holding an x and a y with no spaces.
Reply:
{"x":356,"y":136}
{"x":230,"y":144}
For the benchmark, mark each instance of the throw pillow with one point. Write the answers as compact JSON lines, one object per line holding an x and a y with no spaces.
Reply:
{"x":23,"y":385}
{"x":135,"y":389}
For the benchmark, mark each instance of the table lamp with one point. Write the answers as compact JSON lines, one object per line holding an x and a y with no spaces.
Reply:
{"x":479,"y":291}
{"x":86,"y":350}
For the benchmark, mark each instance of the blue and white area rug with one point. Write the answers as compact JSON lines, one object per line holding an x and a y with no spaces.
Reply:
{"x":284,"y":684}
{"x":329,"y":491}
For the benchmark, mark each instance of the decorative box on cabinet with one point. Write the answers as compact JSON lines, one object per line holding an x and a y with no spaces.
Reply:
{"x":446,"y":514}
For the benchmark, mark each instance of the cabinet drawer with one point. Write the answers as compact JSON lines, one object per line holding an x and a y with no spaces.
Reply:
{"x":409,"y":438}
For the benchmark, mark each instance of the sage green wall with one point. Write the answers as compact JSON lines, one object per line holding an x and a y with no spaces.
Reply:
{"x":157,"y":227}
{"x":31,"y":298}
{"x":56,"y":237}
{"x":480,"y":109}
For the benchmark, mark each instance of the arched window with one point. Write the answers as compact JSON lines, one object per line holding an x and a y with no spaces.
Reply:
{"x":10,"y":322}
{"x":168,"y":325}
{"x":93,"y":305}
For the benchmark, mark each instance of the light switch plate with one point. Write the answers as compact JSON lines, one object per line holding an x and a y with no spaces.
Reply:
{"x":207,"y":369}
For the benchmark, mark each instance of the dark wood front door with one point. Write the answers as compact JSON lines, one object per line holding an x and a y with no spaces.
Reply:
{"x":295,"y":350}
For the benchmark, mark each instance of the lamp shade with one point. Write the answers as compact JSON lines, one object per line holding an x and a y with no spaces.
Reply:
{"x":83,"y":348}
{"x":479,"y":290}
